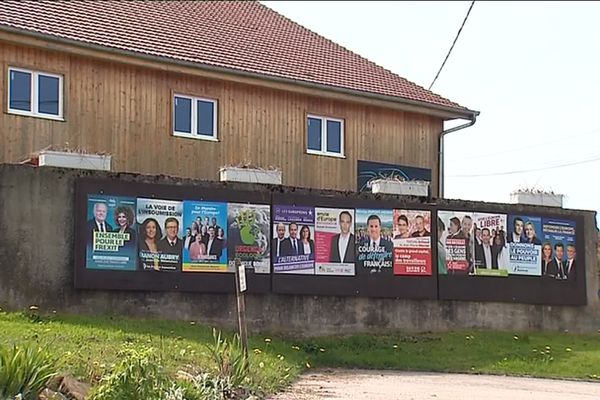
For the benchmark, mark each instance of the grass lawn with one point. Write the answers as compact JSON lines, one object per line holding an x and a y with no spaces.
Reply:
{"x":87,"y":346}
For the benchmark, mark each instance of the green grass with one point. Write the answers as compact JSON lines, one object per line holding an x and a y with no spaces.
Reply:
{"x":87,"y":347}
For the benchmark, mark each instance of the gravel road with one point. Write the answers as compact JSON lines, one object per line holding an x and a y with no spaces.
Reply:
{"x":397,"y":385}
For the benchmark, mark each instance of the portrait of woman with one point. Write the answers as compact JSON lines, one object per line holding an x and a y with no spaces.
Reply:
{"x":124,"y":221}
{"x":150,"y":234}
{"x":546,"y":256}
{"x":308,"y":245}
{"x":500,"y":252}
{"x":530,"y":235}
{"x":402,"y":224}
{"x":197,"y":248}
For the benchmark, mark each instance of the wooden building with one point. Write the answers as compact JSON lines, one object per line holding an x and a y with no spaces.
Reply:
{"x":184,"y":88}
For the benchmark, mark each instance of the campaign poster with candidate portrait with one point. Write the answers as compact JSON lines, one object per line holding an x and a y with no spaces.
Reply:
{"x":334,"y":241}
{"x":491,"y":255}
{"x":525,"y":245}
{"x":159,"y":234}
{"x":208,"y":251}
{"x":412,"y":242}
{"x":457,"y":241}
{"x":111,"y":241}
{"x":290,"y":253}
{"x":559,"y":251}
{"x":248,"y":236}
{"x":374,"y":247}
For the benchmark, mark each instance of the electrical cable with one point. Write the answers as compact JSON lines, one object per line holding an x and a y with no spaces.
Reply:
{"x":453,"y":43}
{"x":596,"y":158}
{"x":537,"y":144}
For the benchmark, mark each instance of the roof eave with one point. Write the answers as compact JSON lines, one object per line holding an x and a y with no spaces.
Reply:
{"x":444,"y":112}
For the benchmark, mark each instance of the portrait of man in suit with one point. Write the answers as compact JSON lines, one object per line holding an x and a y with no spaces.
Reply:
{"x":293,"y":246}
{"x":484,"y":257}
{"x":214,"y":245}
{"x":280,"y":246}
{"x":516,"y":236}
{"x":570,"y":268}
{"x":341,"y":249}
{"x":556,"y":267}
{"x":98,"y":223}
{"x":374,"y":240}
{"x":171,"y":243}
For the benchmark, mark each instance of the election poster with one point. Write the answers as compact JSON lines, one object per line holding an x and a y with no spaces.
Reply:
{"x":559,"y":253}
{"x":111,"y":241}
{"x":334,"y":241}
{"x":160,"y":230}
{"x":248,"y":236}
{"x":525,"y":245}
{"x":208,"y":251}
{"x":293,"y":246}
{"x":457,"y":241}
{"x":412,"y":242}
{"x":491,"y":255}
{"x":374,"y":247}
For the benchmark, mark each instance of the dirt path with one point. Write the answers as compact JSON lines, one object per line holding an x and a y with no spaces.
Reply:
{"x":398,"y":385}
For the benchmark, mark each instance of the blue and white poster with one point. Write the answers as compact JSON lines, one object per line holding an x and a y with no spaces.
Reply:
{"x":559,"y":252}
{"x":524,"y":245}
{"x":111,"y":239}
{"x":207,"y":222}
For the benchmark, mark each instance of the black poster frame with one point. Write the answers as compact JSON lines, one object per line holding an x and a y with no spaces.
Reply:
{"x":519,"y":288}
{"x":360,"y":285}
{"x":206,"y":282}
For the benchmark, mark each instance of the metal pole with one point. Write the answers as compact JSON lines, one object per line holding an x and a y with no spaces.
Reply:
{"x":241,"y":308}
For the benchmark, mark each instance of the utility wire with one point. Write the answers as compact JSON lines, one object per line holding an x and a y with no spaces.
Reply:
{"x":453,"y":43}
{"x":596,"y":158}
{"x":537,"y":144}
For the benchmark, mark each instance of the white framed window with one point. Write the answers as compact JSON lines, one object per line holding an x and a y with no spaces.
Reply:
{"x":325,"y":136}
{"x":35,"y":93}
{"x":194,"y":117}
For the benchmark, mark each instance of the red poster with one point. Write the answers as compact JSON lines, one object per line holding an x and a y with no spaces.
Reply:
{"x":412,"y":242}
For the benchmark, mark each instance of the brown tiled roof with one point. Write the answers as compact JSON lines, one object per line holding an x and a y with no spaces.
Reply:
{"x":238,"y":35}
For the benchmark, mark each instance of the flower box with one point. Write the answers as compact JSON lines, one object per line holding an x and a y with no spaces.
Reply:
{"x":251,"y":175}
{"x":405,"y":188}
{"x":66,"y":159}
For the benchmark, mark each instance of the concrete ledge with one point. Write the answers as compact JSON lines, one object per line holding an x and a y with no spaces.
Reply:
{"x":36,"y":267}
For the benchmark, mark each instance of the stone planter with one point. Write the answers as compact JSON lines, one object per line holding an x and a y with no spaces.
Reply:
{"x":405,"y":188}
{"x":250,"y":175}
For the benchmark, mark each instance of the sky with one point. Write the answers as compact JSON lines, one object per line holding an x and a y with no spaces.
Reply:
{"x":531,"y":68}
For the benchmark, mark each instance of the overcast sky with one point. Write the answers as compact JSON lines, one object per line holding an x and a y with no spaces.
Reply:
{"x":531,"y":68}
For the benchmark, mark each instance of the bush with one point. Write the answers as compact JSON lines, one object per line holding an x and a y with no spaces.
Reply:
{"x":24,"y":371}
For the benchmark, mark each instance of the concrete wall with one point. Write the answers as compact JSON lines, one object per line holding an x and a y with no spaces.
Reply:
{"x":36,"y":267}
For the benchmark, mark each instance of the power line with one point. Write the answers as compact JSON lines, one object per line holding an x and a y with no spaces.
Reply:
{"x":537,"y":144}
{"x":596,"y":158}
{"x":453,"y":43}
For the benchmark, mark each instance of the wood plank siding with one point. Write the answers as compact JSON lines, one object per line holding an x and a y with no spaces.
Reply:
{"x":126,"y":111}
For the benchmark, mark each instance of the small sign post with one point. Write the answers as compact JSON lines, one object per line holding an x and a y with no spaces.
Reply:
{"x":240,"y":288}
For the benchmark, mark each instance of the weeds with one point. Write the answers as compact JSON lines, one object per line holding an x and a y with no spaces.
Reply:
{"x":24,"y":371}
{"x":138,"y":376}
